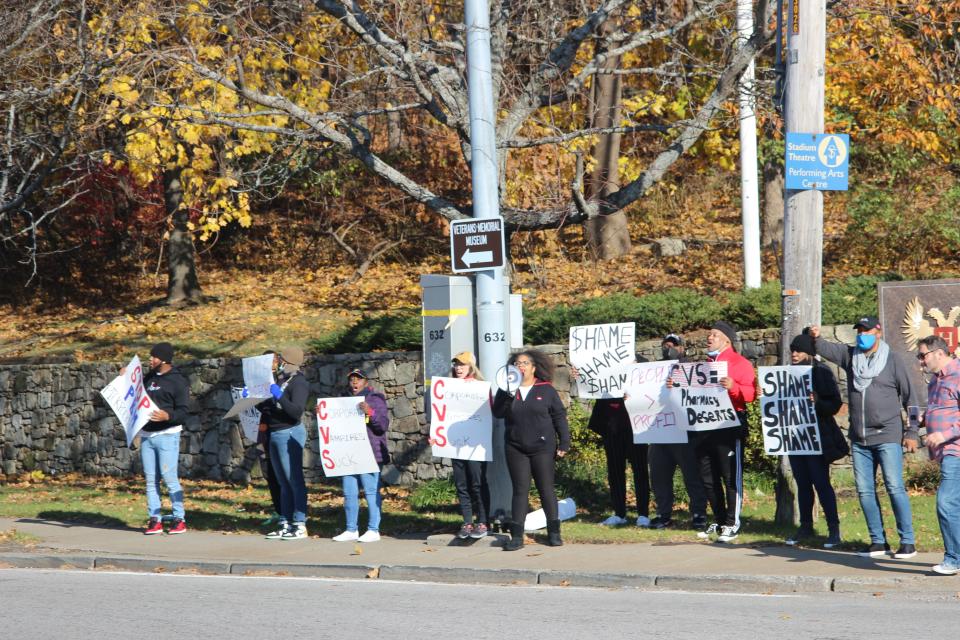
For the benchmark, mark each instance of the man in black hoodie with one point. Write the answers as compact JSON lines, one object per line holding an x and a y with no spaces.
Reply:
{"x":160,"y":438}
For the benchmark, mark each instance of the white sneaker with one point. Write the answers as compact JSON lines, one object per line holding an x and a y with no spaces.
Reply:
{"x":614,"y":521}
{"x":297,"y":531}
{"x":709,"y":531}
{"x":347,"y":536}
{"x":643,"y":521}
{"x":369,"y":536}
{"x":727,"y":534}
{"x":945,"y":569}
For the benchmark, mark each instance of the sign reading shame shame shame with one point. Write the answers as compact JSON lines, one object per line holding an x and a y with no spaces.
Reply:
{"x":787,"y":413}
{"x":601,"y":353}
{"x":704,"y":403}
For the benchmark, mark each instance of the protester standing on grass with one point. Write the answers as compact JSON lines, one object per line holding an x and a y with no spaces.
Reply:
{"x":878,"y":389}
{"x":942,"y":421}
{"x":813,"y":472}
{"x":263,"y":449}
{"x":470,"y":476}
{"x":720,"y":451}
{"x":536,"y":434}
{"x":374,"y":407}
{"x":160,"y":438}
{"x":665,"y":458}
{"x":283,"y":415}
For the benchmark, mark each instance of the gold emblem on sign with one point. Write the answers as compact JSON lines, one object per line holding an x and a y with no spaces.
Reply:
{"x":915,"y":326}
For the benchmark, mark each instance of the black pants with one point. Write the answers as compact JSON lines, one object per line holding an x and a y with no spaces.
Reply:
{"x":540,"y":466}
{"x":620,"y":448}
{"x":664,"y":460}
{"x":814,"y":472}
{"x":720,"y":455}
{"x":470,"y":479}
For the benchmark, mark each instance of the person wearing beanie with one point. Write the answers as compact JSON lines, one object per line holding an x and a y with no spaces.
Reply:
{"x":470,"y":476}
{"x":720,"y":451}
{"x":879,"y":390}
{"x":373,"y":404}
{"x":160,"y":438}
{"x":813,"y":472}
{"x":282,"y":414}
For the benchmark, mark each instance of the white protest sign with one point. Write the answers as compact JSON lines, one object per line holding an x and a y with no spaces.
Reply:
{"x":258,"y":375}
{"x":128,"y":399}
{"x":703,"y":402}
{"x":599,"y":352}
{"x":344,"y":446}
{"x":249,"y":416}
{"x":787,"y":413}
{"x":654,"y":417}
{"x":461,"y":421}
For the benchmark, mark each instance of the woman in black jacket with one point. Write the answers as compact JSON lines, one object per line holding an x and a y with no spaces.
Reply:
{"x":813,"y":472}
{"x":536,"y":434}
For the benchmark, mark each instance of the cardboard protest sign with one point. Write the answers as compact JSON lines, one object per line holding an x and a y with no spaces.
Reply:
{"x":653,"y":413}
{"x":461,"y":420}
{"x":344,"y":447}
{"x":249,"y":416}
{"x":128,"y":399}
{"x":703,"y":402}
{"x":257,"y":380}
{"x":599,"y":352}
{"x":787,"y":413}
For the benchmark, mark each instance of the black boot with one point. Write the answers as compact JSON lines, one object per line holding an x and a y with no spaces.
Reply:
{"x":516,"y":538}
{"x":553,"y":533}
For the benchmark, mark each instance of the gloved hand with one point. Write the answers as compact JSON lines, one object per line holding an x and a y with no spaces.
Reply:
{"x":276,"y":391}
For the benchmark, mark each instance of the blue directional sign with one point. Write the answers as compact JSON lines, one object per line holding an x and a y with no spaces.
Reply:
{"x":817,"y":161}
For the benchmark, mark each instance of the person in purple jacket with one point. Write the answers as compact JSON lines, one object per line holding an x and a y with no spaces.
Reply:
{"x":374,"y":405}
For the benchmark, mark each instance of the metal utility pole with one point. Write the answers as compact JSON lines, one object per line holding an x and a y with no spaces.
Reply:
{"x":803,"y":210}
{"x":749,"y":185}
{"x":492,"y":325}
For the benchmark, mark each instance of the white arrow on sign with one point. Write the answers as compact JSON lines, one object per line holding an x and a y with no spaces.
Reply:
{"x":472,"y":257}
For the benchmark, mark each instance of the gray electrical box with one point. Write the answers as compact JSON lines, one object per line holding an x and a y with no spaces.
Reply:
{"x":448,"y":322}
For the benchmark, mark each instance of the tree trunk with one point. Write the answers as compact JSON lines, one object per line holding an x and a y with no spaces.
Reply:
{"x":182,"y":283}
{"x":607,"y":235}
{"x":786,"y":512}
{"x":772,"y":204}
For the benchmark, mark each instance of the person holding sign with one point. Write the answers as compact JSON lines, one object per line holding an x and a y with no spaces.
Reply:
{"x":283,"y":415}
{"x":160,"y":438}
{"x":374,"y":407}
{"x":470,"y":476}
{"x":878,"y":388}
{"x":720,"y":451}
{"x":942,"y":421}
{"x":813,"y":472}
{"x":536,"y":434}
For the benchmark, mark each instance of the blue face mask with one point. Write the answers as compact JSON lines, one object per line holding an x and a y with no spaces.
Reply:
{"x":713,"y":354}
{"x":865,"y":341}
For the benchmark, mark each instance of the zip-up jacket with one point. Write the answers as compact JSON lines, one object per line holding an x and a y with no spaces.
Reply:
{"x":169,"y":391}
{"x":288,"y":410}
{"x":609,"y":419}
{"x":875,"y":414}
{"x":739,"y":369}
{"x":537,"y":423}
{"x":378,"y":421}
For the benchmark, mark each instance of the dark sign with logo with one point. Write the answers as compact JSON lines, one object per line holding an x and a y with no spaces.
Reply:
{"x":476,"y":244}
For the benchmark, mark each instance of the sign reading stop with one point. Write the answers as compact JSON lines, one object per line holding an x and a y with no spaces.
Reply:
{"x":476,"y":244}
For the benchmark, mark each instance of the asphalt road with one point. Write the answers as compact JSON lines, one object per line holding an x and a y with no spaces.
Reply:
{"x":77,"y":605}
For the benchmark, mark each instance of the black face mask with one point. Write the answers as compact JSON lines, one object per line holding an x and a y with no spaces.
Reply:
{"x":670,"y":353}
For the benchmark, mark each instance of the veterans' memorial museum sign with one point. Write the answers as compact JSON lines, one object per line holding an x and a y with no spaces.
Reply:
{"x":476,"y":244}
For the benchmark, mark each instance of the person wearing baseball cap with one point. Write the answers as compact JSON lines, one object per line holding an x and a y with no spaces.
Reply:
{"x":470,"y":476}
{"x":878,"y":390}
{"x":160,"y":438}
{"x":373,"y":404}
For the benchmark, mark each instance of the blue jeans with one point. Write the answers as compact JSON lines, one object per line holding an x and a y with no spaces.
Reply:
{"x":948,"y":509}
{"x":889,"y":457}
{"x":351,"y":499}
{"x":163,"y":453}
{"x":286,"y":458}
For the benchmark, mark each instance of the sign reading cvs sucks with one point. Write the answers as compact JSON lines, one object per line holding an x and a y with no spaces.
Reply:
{"x":600,"y":352}
{"x":344,"y":447}
{"x":788,"y":417}
{"x":461,"y":421}
{"x":128,"y":399}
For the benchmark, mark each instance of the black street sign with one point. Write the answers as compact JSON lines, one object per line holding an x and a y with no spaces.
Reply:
{"x":476,"y":245}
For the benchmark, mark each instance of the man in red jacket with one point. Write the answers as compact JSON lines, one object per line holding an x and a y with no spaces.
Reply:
{"x":720,"y":452}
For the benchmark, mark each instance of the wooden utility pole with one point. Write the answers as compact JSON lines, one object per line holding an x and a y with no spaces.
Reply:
{"x":803,"y":210}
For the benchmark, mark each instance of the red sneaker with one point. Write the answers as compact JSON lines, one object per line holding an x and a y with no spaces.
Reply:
{"x":177,"y":526}
{"x":154,"y":526}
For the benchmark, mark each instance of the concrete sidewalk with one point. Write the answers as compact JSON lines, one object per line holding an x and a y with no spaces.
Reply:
{"x":694,"y":566}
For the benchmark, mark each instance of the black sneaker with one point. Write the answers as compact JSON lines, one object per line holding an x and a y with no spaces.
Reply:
{"x":876,"y":550}
{"x":805,"y":531}
{"x":661,"y":522}
{"x":698,"y":523}
{"x":905,"y":551}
